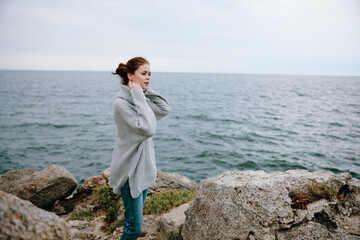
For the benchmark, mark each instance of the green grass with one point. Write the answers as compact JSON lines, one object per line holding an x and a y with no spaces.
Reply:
{"x":323,"y":191}
{"x":311,"y":193}
{"x":109,"y":202}
{"x":84,"y":215}
{"x":116,"y":225}
{"x":163,"y":201}
{"x":174,"y":236}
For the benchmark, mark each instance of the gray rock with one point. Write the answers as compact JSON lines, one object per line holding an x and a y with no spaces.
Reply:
{"x":20,"y":219}
{"x":58,"y":208}
{"x":91,"y":183}
{"x":151,"y":227}
{"x":83,"y":230}
{"x":165,"y":181}
{"x":312,"y":230}
{"x":171,"y":223}
{"x":41,"y":188}
{"x":106,"y":174}
{"x":168,"y":181}
{"x":256,"y":205}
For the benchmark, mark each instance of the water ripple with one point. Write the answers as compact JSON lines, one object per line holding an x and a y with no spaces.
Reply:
{"x":261,"y":122}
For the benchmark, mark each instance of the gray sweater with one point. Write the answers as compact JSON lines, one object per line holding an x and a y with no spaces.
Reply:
{"x":133,"y":157}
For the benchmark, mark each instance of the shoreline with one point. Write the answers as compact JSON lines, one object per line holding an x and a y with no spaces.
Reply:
{"x":266,"y":203}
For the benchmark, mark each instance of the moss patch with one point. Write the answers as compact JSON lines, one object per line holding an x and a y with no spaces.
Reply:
{"x":310,"y":193}
{"x":85,"y":215}
{"x":163,"y":201}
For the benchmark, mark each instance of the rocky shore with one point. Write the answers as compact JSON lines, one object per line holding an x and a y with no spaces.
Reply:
{"x":295,"y":204}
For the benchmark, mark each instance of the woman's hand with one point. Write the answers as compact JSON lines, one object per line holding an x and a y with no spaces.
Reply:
{"x":132,"y":85}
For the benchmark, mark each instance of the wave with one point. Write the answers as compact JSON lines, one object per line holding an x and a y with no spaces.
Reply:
{"x":336,"y":124}
{"x":46,"y":125}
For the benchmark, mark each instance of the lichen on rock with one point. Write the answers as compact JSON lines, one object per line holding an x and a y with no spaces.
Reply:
{"x":20,"y":219}
{"x":42,"y":188}
{"x":257,"y":205}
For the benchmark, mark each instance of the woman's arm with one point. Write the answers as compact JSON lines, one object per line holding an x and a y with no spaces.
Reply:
{"x":139,"y":117}
{"x":158,"y":104}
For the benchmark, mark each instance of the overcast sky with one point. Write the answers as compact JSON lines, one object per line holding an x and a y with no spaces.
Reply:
{"x":224,"y":36}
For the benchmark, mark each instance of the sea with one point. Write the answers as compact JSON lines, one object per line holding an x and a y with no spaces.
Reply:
{"x":218,"y":123}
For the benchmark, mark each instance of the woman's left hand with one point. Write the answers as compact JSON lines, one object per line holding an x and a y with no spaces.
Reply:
{"x":133,"y":85}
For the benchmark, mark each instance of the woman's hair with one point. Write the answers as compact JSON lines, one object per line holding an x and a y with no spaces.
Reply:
{"x":130,"y":67}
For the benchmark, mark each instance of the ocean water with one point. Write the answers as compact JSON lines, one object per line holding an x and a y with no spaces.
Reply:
{"x":219,"y":122}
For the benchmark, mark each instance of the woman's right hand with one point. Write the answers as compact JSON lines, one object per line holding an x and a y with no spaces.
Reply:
{"x":132,"y":85}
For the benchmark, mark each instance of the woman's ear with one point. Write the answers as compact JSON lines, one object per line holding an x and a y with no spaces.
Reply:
{"x":129,"y":75}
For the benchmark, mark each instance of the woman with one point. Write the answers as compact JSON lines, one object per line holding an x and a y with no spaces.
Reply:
{"x":133,"y":167}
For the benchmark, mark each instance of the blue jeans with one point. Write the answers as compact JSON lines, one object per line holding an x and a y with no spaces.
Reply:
{"x":133,"y":212}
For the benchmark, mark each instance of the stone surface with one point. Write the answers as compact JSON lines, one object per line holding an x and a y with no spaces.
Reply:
{"x":91,"y":183}
{"x":106,"y":174}
{"x":171,"y":223}
{"x":256,"y":205}
{"x":83,"y":230}
{"x":20,"y":219}
{"x":151,"y":227}
{"x":168,"y":181}
{"x":58,"y":208}
{"x":42,"y":188}
{"x":165,"y":181}
{"x":154,"y":226}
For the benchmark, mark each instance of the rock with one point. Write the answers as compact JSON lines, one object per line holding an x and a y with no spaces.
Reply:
{"x":83,"y":230}
{"x":41,"y":188}
{"x":91,"y":183}
{"x":58,"y":208}
{"x":106,"y":174}
{"x":151,"y":227}
{"x":313,"y":230}
{"x":165,"y":181}
{"x":20,"y":219}
{"x":168,"y":181}
{"x":256,"y":205}
{"x":83,"y":198}
{"x":164,"y":226}
{"x":171,"y":223}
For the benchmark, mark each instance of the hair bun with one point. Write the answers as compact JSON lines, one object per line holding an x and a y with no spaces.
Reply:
{"x":122,"y":70}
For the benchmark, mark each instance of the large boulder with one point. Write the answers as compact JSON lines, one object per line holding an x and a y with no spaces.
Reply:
{"x":257,"y":205}
{"x":20,"y":219}
{"x":42,"y":188}
{"x":170,"y":181}
{"x":165,"y":181}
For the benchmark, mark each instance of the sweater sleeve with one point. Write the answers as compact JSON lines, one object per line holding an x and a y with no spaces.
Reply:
{"x":139,"y":117}
{"x":158,"y":104}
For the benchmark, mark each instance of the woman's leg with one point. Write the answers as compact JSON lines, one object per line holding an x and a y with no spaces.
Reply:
{"x":144,"y":193}
{"x":133,"y":213}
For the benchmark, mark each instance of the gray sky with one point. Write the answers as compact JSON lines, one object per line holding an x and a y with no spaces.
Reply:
{"x":227,"y":36}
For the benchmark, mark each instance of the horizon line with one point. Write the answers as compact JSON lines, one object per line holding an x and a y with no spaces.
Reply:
{"x":244,"y":73}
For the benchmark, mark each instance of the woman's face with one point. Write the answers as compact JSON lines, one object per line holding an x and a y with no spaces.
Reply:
{"x":141,"y":76}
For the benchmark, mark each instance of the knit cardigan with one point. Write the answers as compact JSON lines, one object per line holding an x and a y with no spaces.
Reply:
{"x":133,"y":158}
